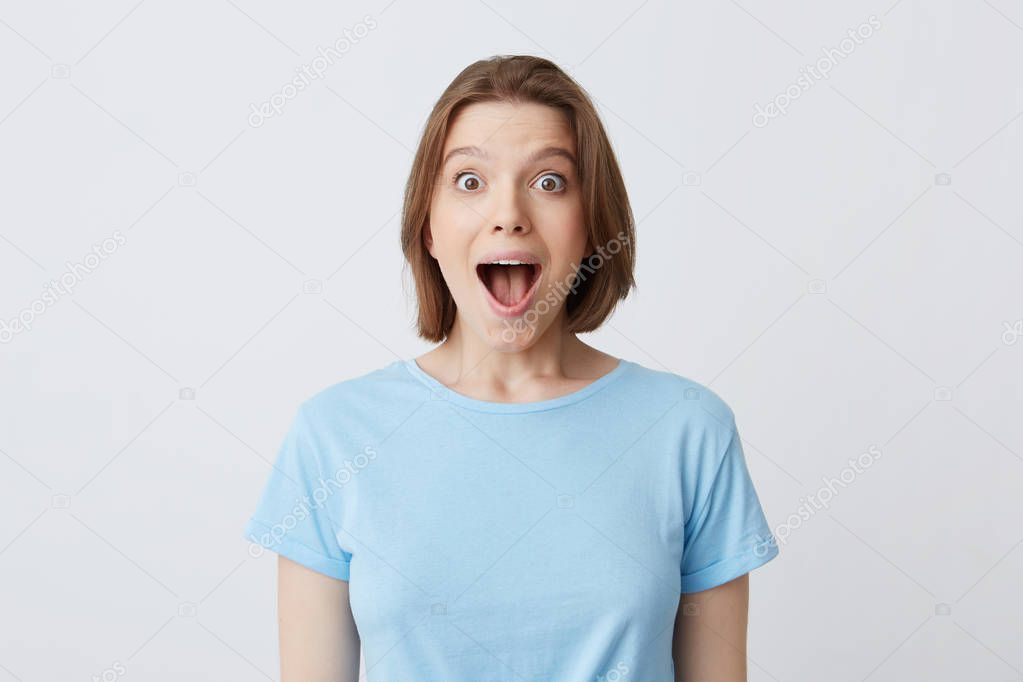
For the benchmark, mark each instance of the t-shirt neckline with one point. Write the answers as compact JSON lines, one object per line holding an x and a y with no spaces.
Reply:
{"x":512,"y":408}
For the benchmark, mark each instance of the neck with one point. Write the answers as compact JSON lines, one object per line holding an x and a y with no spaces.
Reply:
{"x":465,"y":355}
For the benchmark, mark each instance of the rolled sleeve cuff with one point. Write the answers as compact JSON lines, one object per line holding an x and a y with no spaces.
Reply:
{"x":258,"y":533}
{"x":729,"y":569}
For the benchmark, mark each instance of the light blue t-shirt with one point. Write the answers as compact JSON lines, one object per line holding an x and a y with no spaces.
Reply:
{"x":489,"y":541}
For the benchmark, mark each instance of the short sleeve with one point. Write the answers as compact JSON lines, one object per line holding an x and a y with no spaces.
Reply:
{"x":293,"y":515}
{"x":727,"y":534}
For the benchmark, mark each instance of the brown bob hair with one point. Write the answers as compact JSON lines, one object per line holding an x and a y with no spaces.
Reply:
{"x":602,"y":279}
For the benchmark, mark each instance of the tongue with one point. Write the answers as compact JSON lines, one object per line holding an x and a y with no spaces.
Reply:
{"x":509,"y":283}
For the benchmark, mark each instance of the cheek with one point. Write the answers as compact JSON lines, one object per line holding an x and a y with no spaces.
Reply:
{"x":570,"y":239}
{"x":453,"y":218}
{"x":452,"y":234}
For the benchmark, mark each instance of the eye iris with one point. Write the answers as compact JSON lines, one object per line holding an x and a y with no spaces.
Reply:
{"x":549,"y":183}
{"x":471,"y":182}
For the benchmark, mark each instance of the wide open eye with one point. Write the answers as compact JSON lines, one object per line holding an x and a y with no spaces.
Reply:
{"x":468,"y":181}
{"x":551,"y":182}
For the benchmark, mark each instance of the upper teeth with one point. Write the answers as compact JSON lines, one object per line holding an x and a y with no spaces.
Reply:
{"x":506,"y":262}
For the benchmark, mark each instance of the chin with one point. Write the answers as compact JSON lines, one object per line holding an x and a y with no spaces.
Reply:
{"x":509,"y":336}
{"x":512,"y":335}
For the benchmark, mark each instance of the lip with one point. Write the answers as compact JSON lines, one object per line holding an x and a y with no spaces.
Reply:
{"x":508,"y":254}
{"x":522,"y":306}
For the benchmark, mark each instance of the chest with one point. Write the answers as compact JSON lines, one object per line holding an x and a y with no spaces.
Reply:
{"x":511,"y":539}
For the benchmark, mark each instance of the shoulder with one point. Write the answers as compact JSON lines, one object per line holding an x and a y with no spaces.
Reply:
{"x":698,"y":402}
{"x":363,"y":393}
{"x":702,"y":428}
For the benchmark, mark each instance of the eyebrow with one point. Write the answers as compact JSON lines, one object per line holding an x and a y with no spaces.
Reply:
{"x":539,"y":155}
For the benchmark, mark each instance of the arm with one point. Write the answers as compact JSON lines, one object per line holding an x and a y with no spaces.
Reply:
{"x":318,"y":638}
{"x":710,"y":634}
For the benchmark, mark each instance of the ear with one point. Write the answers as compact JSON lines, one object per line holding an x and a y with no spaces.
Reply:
{"x":428,"y":238}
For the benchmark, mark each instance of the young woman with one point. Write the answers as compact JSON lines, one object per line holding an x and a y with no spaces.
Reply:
{"x":514,"y":504}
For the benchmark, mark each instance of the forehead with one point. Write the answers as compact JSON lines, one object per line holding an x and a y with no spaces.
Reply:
{"x":509,"y":129}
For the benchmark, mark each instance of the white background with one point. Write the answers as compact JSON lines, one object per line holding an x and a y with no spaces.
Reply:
{"x":814,"y":271}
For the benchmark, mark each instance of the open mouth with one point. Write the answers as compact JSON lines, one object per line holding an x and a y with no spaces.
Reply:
{"x":510,"y":283}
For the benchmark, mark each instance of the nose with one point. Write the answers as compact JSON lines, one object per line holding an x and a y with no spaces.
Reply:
{"x":510,"y":215}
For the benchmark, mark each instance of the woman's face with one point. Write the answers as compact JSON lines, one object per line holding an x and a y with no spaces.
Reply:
{"x":508,"y":190}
